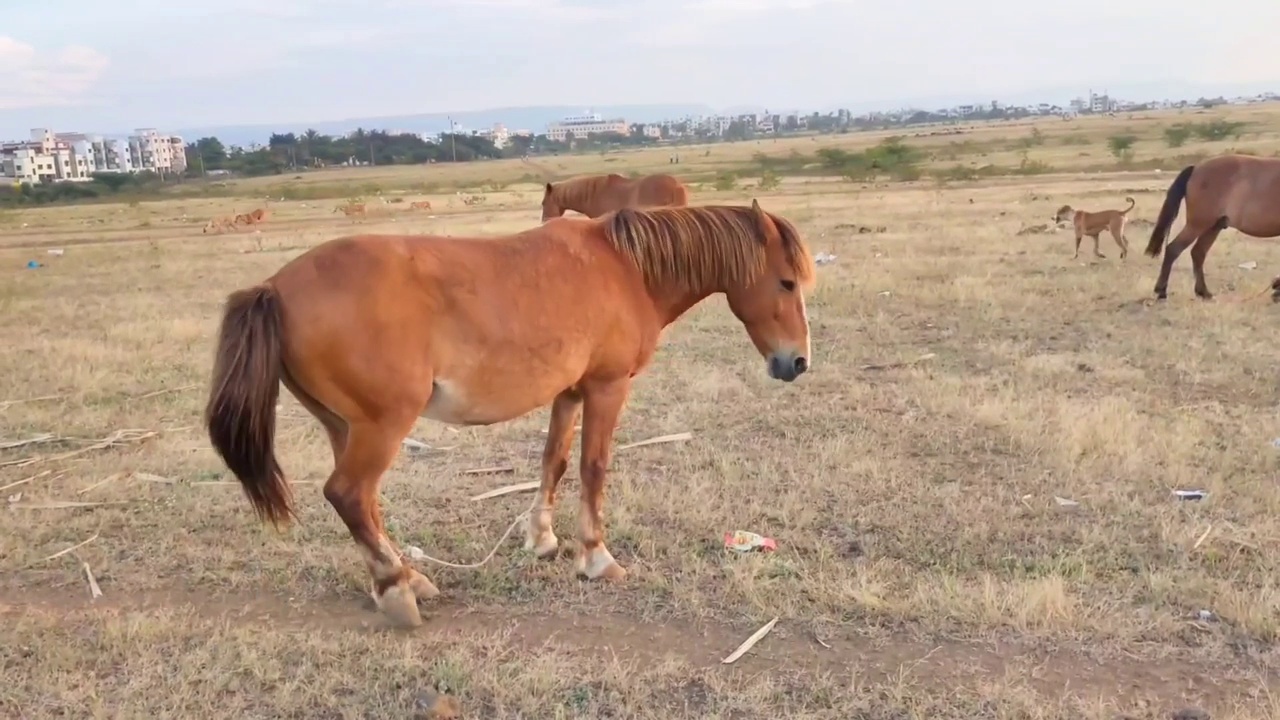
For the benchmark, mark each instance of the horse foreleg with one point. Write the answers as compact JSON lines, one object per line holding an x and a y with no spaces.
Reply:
{"x":352,"y":490}
{"x":602,"y":406}
{"x":540,"y":537}
{"x":1181,"y":242}
{"x":1199,"y":252}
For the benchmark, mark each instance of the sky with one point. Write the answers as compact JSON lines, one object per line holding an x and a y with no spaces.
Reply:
{"x":96,"y":66}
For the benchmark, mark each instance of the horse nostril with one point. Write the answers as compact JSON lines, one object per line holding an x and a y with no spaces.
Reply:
{"x":801,"y":365}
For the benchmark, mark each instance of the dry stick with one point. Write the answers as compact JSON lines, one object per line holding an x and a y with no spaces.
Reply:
{"x":25,"y":480}
{"x":508,"y":489}
{"x":749,"y":642}
{"x":94,"y":591}
{"x":119,"y":437}
{"x":64,"y":504}
{"x":677,"y":437}
{"x":897,"y":365}
{"x":73,"y":548}
{"x":166,"y":391}
{"x":1203,"y":537}
{"x":34,"y":440}
{"x":6,"y":403}
{"x":489,"y":470}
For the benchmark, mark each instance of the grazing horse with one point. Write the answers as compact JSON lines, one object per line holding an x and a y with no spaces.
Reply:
{"x":1237,"y":191}
{"x":350,"y":209}
{"x":420,"y":205}
{"x":595,"y":195}
{"x":371,"y":332}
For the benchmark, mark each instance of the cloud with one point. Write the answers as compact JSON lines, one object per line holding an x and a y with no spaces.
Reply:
{"x":32,"y":79}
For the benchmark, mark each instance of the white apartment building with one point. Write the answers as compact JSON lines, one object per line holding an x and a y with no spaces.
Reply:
{"x":583,"y":125}
{"x":498,"y":135}
{"x":149,"y":150}
{"x":74,"y":157}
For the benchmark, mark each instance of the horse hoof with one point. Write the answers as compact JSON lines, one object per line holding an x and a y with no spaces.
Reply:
{"x":545,"y":547}
{"x":422,"y":587}
{"x":400,"y":606}
{"x":599,"y":563}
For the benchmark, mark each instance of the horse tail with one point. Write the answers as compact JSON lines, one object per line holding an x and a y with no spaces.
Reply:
{"x":1169,"y":211}
{"x":241,"y":413}
{"x":1132,"y":204}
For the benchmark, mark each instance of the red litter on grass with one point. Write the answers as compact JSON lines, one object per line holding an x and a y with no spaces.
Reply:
{"x":743,"y":541}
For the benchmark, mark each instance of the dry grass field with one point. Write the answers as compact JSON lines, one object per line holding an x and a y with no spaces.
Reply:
{"x":972,"y":491}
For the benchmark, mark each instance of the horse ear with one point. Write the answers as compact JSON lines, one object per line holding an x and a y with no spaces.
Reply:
{"x":548,"y":188}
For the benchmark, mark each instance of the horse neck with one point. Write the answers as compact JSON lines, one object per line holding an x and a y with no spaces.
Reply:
{"x":670,"y":305}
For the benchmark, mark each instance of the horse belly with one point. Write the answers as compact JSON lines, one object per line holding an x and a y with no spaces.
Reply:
{"x":459,"y":403}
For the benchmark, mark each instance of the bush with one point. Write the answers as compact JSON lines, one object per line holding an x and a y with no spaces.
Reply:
{"x":726,"y":181}
{"x":1177,"y":135}
{"x":1122,"y":146}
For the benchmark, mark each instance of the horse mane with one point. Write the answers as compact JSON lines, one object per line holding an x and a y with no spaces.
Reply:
{"x":578,"y":192}
{"x":702,"y":247}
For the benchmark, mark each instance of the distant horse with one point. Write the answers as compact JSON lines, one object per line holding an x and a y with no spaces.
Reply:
{"x":371,"y":332}
{"x":420,"y":205}
{"x":1237,"y":191}
{"x":595,"y":195}
{"x":350,"y":209}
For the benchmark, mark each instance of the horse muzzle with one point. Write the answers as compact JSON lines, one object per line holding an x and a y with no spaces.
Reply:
{"x":787,"y":366}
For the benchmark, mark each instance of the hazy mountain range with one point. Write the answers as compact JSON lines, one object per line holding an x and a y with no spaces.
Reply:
{"x":536,"y":118}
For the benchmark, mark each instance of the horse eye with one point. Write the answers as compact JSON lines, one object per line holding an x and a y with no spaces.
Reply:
{"x":788,"y":285}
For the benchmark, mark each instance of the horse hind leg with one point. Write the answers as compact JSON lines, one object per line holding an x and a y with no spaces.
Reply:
{"x":1185,"y":237}
{"x":352,"y":490}
{"x":1097,"y":251}
{"x":1199,"y":252}
{"x":540,"y":538}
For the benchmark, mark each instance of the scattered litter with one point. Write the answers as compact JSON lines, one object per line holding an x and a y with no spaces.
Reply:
{"x":95,"y":592}
{"x":489,"y":470}
{"x":1207,"y":616}
{"x":885,"y":293}
{"x":677,"y":437}
{"x":32,"y":265}
{"x":823,"y":258}
{"x":71,"y":549}
{"x":15,"y":498}
{"x":1275,"y":443}
{"x":897,"y":365}
{"x":1064,"y":502}
{"x":56,"y":252}
{"x":1248,"y":265}
{"x":508,"y":489}
{"x":414,"y":552}
{"x":749,"y":642}
{"x":1191,"y":494}
{"x":743,"y":541}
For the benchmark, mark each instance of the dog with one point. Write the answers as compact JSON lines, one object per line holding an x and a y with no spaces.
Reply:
{"x":1093,"y":223}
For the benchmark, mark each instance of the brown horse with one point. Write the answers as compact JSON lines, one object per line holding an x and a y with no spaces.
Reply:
{"x":595,"y":195}
{"x":372,"y":332}
{"x":1237,"y":191}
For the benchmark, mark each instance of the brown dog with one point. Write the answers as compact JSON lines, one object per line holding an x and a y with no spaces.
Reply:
{"x":1093,"y":223}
